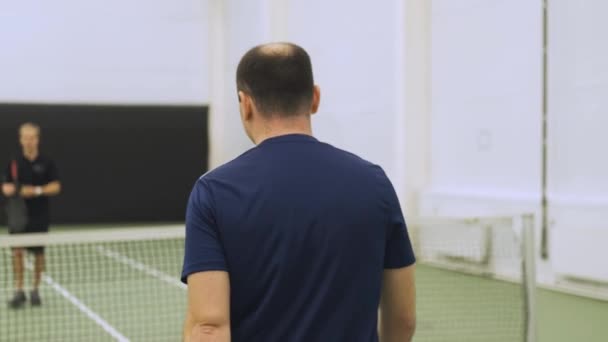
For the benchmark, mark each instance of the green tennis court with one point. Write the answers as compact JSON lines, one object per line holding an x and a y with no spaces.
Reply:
{"x":458,"y":307}
{"x":101,"y":291}
{"x":454,"y":306}
{"x":129,"y":291}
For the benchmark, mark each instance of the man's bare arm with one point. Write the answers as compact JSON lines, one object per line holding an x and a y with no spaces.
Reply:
{"x":398,"y":305}
{"x":208,"y":315}
{"x":51,"y":189}
{"x":8,"y":189}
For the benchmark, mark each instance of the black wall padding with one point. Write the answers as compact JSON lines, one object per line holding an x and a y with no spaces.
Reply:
{"x":116,"y":163}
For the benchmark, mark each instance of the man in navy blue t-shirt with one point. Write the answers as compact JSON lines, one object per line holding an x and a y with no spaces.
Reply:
{"x":295,"y":240}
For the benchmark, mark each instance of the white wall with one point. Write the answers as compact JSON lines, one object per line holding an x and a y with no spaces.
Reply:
{"x":354,"y":47}
{"x":486,"y":65}
{"x":578,"y":105}
{"x":235,"y":27}
{"x":578,"y":121}
{"x":417,"y":103}
{"x":442,"y":94}
{"x":355,"y":50}
{"x":485,"y":111}
{"x":112,"y":51}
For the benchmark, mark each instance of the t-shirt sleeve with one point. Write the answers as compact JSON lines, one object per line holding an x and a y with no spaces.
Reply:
{"x":52,"y":173}
{"x":203,"y":246}
{"x":398,"y":252}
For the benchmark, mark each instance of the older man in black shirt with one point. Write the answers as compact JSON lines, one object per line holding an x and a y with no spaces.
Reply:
{"x":33,"y":177}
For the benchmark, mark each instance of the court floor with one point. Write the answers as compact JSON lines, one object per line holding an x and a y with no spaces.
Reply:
{"x":131,"y":292}
{"x":101,"y":292}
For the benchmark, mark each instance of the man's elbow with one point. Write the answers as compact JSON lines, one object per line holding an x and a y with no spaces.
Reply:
{"x":205,"y":332}
{"x":409,"y":325}
{"x":400,"y":328}
{"x":54,"y":188}
{"x":208,"y":329}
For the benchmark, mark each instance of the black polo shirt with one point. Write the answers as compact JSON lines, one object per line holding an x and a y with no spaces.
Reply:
{"x":38,"y":172}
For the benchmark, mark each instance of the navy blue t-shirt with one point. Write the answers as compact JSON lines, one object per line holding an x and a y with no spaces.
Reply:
{"x":305,"y":231}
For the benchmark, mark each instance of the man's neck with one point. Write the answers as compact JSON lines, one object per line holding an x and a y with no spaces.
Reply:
{"x":276,"y":129}
{"x":30,"y":155}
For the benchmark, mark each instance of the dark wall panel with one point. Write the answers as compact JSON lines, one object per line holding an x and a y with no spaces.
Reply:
{"x":116,"y":163}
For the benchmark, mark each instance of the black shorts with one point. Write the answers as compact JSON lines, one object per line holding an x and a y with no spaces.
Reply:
{"x":36,"y":250}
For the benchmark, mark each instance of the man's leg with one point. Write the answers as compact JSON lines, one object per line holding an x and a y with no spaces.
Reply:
{"x":18,"y":268}
{"x":38,"y":269}
{"x":19,"y":298}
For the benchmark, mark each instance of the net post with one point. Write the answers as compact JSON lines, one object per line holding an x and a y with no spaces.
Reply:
{"x":529,"y":276}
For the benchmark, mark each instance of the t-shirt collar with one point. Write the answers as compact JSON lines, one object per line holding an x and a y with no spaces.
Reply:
{"x":289,"y":138}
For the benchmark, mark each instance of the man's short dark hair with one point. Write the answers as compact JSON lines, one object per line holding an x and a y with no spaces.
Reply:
{"x":278,"y":77}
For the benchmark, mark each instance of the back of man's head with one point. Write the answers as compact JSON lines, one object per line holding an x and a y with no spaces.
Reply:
{"x":278,"y":77}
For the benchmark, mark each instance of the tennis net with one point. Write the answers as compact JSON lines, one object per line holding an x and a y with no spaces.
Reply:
{"x":475,"y":279}
{"x":101,"y":285}
{"x":475,"y":282}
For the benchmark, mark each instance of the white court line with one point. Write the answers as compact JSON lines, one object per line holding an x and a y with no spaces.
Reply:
{"x":81,"y":306}
{"x":141,"y":267}
{"x":84,"y":309}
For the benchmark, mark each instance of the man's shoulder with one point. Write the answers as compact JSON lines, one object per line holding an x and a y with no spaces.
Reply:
{"x":247,"y":161}
{"x":229,"y":168}
{"x":350,"y":156}
{"x":355,"y":162}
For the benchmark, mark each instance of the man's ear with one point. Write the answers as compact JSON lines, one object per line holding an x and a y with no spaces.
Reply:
{"x":245,"y":106}
{"x":316,"y":99}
